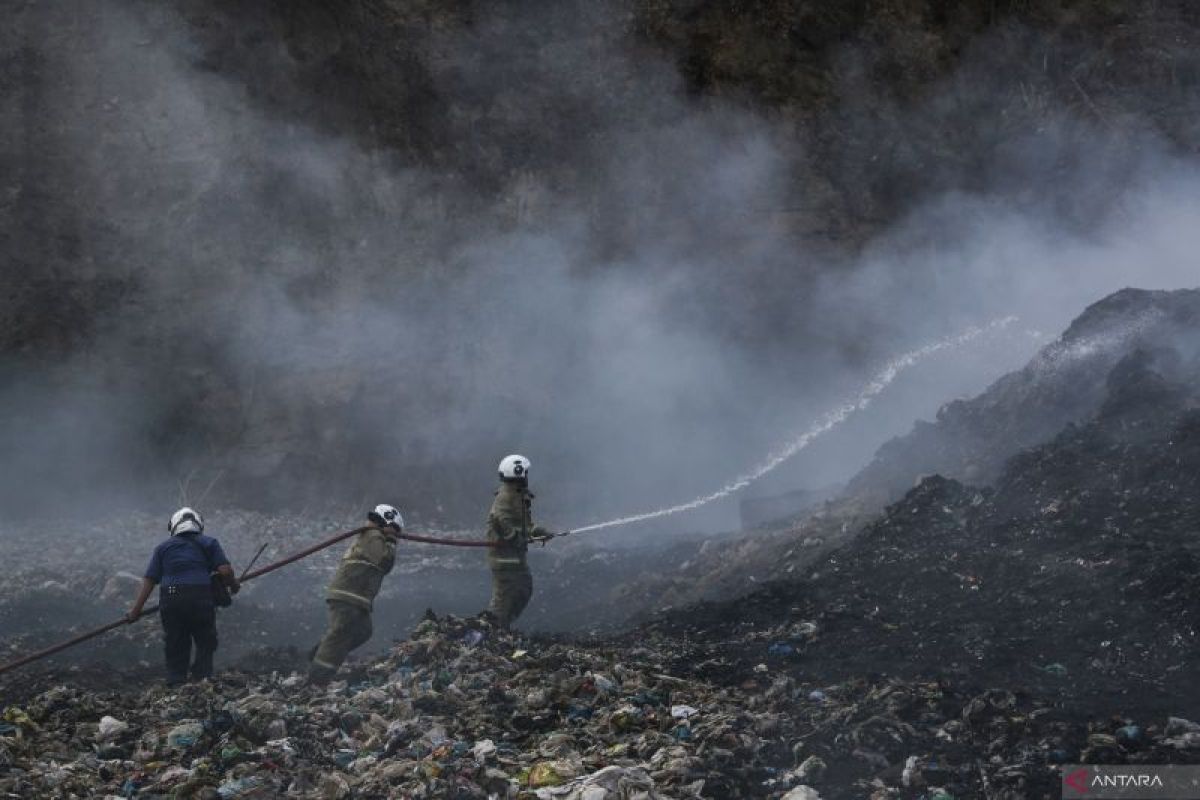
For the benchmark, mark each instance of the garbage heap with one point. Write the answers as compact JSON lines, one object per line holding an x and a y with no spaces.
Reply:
{"x":465,"y":711}
{"x":461,"y":710}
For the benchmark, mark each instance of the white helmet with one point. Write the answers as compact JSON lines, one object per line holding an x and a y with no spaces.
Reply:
{"x":386,"y":516}
{"x":185,"y":520}
{"x":514,"y":468}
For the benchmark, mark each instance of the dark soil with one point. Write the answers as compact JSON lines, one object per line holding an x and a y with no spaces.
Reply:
{"x":1072,"y":587}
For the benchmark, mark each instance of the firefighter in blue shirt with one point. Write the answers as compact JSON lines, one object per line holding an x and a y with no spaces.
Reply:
{"x":184,"y":566}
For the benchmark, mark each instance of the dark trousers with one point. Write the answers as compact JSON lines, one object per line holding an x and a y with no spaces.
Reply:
{"x":188,"y":617}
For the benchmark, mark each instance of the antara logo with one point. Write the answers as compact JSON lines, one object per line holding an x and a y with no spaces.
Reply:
{"x":1127,"y":781}
{"x":1082,"y":781}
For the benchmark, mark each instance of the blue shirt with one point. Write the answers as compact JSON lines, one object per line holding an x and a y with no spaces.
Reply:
{"x":178,"y":562}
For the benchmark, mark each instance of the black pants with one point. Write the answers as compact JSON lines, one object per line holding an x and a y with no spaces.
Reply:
{"x":188,"y":616}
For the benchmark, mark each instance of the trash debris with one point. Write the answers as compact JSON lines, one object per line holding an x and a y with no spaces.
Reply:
{"x":1129,"y":736}
{"x":812,"y":770}
{"x":185,"y":735}
{"x":781,"y":649}
{"x":424,"y":720}
{"x":110,"y":727}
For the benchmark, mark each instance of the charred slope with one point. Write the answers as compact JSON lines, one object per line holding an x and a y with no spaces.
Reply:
{"x":975,"y":638}
{"x":1133,"y":354}
{"x":1081,"y":562}
{"x":1066,"y":383}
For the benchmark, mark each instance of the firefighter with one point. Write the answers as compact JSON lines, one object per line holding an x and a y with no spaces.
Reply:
{"x":510,"y":528}
{"x":185,"y":566}
{"x":351,"y":594}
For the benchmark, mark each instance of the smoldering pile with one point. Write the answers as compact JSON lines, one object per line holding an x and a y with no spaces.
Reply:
{"x":1060,"y":604}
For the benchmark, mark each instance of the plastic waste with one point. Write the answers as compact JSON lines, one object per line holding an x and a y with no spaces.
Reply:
{"x":544,"y":774}
{"x":110,"y":727}
{"x":1129,"y":736}
{"x":185,"y":734}
{"x":603,"y":684}
{"x":684,"y":712}
{"x":811,"y":770}
{"x":242,"y":787}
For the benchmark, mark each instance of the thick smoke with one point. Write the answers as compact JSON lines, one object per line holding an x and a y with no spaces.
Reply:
{"x":279,"y":314}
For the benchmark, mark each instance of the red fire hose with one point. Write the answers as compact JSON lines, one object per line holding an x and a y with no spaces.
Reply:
{"x":92,"y":634}
{"x":412,"y":537}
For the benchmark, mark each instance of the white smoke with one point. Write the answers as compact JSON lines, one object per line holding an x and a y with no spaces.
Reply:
{"x":827,"y":423}
{"x":1057,"y":356}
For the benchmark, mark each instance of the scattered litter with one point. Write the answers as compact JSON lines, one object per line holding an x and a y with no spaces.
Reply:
{"x":110,"y":727}
{"x":683,"y":712}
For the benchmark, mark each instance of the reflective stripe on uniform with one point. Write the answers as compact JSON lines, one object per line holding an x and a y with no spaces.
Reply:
{"x":370,"y":564}
{"x":333,"y":594}
{"x":325,"y":664}
{"x":497,"y":560}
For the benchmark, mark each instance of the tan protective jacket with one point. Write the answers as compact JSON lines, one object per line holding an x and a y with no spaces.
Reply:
{"x":510,"y":524}
{"x":363,"y":568}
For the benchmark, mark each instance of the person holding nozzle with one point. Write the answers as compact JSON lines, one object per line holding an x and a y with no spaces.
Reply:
{"x":185,"y":566}
{"x":510,"y":529}
{"x":351,"y":594}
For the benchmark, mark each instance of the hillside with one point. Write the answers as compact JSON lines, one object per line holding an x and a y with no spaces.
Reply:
{"x":967,"y":640}
{"x":1134,"y":347}
{"x":1068,"y":382}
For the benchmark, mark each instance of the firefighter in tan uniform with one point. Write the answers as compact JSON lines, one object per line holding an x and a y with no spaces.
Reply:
{"x":510,"y":527}
{"x":351,"y":594}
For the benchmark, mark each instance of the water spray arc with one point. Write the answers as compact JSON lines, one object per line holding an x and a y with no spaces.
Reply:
{"x":825,"y":424}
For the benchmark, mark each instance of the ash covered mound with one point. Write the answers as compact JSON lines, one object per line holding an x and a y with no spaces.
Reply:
{"x":1064,"y":600}
{"x":1066,"y":383}
{"x":1134,"y":352}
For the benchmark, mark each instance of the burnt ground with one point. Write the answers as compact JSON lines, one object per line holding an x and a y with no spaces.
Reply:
{"x":1070,"y":590}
